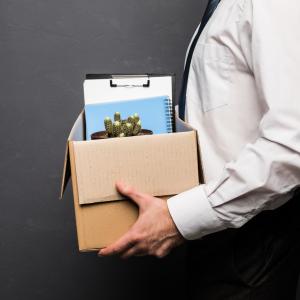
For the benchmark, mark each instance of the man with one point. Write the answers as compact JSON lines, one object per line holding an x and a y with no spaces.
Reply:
{"x":241,"y":92}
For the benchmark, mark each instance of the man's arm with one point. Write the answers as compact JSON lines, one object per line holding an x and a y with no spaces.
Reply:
{"x":266,"y":172}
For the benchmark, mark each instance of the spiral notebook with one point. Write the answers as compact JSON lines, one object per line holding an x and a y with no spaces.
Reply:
{"x":156,"y":113}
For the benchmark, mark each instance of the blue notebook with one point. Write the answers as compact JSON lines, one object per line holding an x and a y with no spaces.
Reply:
{"x":155,"y":113}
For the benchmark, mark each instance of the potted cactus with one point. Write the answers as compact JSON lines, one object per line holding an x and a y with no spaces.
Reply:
{"x":131,"y":126}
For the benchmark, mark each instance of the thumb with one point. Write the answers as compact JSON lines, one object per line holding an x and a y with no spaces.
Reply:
{"x":139,"y":198}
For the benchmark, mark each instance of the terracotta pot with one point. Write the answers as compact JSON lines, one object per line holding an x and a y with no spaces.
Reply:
{"x":100,"y":135}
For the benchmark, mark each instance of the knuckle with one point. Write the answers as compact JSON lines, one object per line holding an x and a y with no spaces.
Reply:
{"x":160,"y":253}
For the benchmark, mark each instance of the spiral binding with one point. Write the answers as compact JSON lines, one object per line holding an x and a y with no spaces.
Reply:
{"x":169,"y":114}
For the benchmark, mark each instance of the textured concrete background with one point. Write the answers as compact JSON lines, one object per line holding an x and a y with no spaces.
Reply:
{"x":46,"y":48}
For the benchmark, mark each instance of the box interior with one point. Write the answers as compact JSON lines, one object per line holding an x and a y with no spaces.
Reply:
{"x":77,"y":134}
{"x":101,"y":88}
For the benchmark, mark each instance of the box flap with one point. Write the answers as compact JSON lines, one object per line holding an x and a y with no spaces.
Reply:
{"x":181,"y":126}
{"x":77,"y":134}
{"x":117,"y":87}
{"x":138,"y":161}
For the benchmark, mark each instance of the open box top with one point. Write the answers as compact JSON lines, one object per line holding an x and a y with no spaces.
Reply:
{"x":137,"y":160}
{"x":94,"y":177}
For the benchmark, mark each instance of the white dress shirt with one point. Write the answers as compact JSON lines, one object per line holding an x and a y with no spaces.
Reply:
{"x":243,"y":97}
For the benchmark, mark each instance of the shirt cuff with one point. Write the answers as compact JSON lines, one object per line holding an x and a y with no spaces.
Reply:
{"x":193,"y":215}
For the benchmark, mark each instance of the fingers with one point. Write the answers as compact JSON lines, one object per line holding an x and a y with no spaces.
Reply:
{"x":119,"y":246}
{"x":162,"y":251}
{"x":134,"y":251}
{"x":137,"y":250}
{"x":128,"y":247}
{"x":126,"y":190}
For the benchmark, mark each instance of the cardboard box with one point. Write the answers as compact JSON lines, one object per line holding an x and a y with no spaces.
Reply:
{"x":162,"y":165}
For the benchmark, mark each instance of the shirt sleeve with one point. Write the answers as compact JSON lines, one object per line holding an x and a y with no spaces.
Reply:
{"x":266,"y":172}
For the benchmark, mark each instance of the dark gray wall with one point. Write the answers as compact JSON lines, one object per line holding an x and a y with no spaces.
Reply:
{"x":46,"y":48}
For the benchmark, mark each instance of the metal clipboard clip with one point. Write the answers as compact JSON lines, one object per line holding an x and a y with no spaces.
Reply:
{"x":129,"y":85}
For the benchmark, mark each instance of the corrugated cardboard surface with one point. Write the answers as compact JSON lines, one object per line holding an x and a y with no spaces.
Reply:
{"x":99,"y":224}
{"x":159,"y":165}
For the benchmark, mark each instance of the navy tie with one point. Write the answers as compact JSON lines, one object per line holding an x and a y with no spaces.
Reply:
{"x":211,"y":6}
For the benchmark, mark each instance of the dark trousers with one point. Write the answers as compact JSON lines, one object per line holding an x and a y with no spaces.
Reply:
{"x":260,"y":260}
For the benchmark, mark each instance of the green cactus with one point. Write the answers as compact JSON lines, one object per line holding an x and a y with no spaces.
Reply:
{"x":136,"y":118}
{"x":116,"y":128}
{"x":130,"y":119}
{"x":108,"y":126}
{"x":128,"y":130}
{"x":117,"y":116}
{"x":123,"y":124}
{"x":121,"y":128}
{"x":137,"y":128}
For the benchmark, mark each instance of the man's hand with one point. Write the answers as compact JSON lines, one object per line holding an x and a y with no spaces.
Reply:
{"x":154,"y":232}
